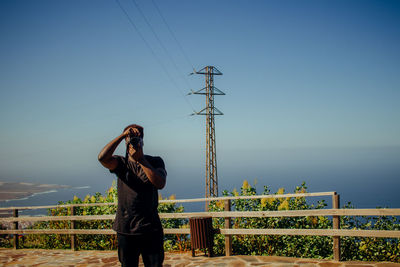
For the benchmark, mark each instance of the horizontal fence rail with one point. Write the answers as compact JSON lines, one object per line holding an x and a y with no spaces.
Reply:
{"x":320,"y":194}
{"x":221,"y":214}
{"x":335,"y":232}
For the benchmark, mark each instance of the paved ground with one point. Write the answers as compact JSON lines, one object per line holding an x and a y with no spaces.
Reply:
{"x":57,"y":258}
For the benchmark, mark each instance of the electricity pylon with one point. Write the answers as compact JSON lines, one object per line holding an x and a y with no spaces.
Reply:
{"x":209,"y":111}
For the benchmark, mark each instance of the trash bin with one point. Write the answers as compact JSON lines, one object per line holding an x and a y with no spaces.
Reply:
{"x":201,"y":234}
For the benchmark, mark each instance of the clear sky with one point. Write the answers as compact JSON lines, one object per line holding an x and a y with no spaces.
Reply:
{"x":307,"y":83}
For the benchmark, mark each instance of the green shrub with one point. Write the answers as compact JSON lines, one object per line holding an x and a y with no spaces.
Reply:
{"x":174,"y":242}
{"x":99,"y":242}
{"x":352,"y":248}
{"x":5,"y":240}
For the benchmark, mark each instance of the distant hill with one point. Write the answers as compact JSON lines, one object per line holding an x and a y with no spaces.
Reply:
{"x":12,"y":191}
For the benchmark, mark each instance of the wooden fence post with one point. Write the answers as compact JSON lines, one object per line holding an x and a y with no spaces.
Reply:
{"x":73,"y":236}
{"x":336,"y":225}
{"x":15,"y":227}
{"x":228,"y":238}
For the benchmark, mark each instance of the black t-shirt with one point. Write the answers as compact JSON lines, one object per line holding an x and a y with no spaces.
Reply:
{"x":137,"y":198}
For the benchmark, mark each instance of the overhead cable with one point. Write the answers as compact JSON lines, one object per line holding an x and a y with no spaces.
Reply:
{"x":153,"y":53}
{"x":173,"y":35}
{"x":161,"y":44}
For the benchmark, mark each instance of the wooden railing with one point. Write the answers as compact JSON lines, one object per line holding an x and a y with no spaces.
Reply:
{"x":227,"y":214}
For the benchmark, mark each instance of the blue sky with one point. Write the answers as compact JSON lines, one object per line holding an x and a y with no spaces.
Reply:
{"x":299,"y":77}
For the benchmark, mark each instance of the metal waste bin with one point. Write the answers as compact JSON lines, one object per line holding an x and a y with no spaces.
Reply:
{"x":201,"y":234}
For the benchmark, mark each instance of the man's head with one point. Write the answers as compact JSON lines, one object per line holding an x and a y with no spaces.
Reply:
{"x":135,"y":126}
{"x":134,"y":140}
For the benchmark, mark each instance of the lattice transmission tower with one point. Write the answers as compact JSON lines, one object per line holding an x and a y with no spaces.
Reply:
{"x":210,"y":111}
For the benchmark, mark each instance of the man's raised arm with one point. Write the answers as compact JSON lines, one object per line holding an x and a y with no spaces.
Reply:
{"x":106,"y":154}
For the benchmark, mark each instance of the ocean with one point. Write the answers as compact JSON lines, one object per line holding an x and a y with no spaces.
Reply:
{"x":368,"y":178}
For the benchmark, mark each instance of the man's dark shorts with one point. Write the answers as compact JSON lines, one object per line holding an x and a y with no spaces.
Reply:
{"x":150,"y":246}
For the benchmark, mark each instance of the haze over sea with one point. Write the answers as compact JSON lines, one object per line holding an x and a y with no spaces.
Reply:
{"x":312,"y":93}
{"x":366,"y":177}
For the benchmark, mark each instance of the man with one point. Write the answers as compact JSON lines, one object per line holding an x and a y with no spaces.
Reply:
{"x":137,"y":223}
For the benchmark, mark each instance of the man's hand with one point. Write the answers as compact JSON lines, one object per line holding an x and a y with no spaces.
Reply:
{"x":136,"y":153}
{"x":131,"y":132}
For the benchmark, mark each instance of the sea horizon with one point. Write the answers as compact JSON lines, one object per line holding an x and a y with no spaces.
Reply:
{"x":54,"y":196}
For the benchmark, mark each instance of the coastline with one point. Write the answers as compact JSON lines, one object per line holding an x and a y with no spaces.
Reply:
{"x":48,"y":196}
{"x":11,"y":191}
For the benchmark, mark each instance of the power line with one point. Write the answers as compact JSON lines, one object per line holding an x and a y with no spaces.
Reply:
{"x":160,"y":42}
{"x":168,"y":121}
{"x":173,"y":35}
{"x":153,"y":53}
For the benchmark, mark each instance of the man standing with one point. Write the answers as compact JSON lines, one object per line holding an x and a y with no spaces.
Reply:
{"x":137,"y":223}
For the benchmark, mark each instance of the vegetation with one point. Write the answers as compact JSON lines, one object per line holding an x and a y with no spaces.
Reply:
{"x":94,"y":242}
{"x":353,"y":248}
